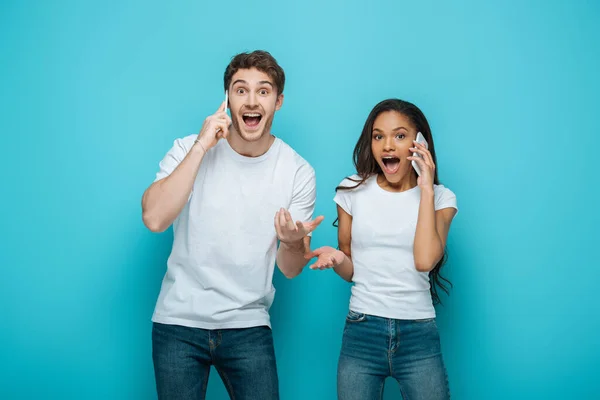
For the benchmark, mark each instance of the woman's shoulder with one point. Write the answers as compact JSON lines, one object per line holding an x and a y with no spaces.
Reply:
{"x":444,"y":197}
{"x":441,"y":190}
{"x":353,"y":182}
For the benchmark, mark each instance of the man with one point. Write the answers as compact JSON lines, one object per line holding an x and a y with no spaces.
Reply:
{"x":231,"y":192}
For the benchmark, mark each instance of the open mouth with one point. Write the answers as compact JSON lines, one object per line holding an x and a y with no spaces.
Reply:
{"x":251,"y":120}
{"x":391,"y":164}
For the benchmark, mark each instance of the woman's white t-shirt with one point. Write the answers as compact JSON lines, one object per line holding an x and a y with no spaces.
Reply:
{"x":386,"y":282}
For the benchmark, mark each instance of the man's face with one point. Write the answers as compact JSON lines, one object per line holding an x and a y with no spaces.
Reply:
{"x":253,"y":101}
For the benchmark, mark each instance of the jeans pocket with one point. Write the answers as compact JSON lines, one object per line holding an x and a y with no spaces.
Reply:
{"x":425,"y":320}
{"x":353,"y":316}
{"x":426,"y":323}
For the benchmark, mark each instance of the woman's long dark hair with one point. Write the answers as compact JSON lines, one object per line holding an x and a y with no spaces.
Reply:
{"x":367,"y":166}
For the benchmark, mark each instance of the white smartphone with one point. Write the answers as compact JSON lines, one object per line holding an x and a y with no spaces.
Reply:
{"x":226,"y":104}
{"x":420,"y":139}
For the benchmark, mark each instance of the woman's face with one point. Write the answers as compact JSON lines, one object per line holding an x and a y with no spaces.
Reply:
{"x":392,"y":137}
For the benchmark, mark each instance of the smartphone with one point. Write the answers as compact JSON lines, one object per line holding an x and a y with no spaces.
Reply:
{"x":420,"y":139}
{"x":226,"y":104}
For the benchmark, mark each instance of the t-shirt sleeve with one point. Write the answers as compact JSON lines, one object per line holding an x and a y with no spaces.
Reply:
{"x":172,"y":159}
{"x":343,"y":197}
{"x":304,"y":195}
{"x":444,"y":198}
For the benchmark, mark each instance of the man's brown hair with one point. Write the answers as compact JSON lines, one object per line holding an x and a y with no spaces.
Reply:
{"x":262,"y":61}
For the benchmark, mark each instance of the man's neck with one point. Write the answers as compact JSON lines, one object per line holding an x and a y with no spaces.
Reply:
{"x":249,"y":149}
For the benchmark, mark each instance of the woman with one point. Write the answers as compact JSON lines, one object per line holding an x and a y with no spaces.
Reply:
{"x":392,"y":232}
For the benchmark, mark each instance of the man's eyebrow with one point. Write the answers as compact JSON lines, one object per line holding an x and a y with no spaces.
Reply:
{"x":260,"y":83}
{"x":266,"y":83}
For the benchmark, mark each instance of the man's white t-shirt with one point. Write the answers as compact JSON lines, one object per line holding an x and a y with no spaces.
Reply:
{"x":219,"y":274}
{"x":386,"y":282}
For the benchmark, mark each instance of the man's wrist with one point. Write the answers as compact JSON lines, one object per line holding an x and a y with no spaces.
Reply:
{"x":199,"y":146}
{"x":294,"y":247}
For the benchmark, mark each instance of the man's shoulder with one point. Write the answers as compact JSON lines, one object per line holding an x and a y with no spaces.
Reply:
{"x":291,"y":156}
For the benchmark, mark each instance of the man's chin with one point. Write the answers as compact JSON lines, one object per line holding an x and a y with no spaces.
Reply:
{"x":253,"y":136}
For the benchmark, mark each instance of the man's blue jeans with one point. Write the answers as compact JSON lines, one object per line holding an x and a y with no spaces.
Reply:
{"x":244,"y":358}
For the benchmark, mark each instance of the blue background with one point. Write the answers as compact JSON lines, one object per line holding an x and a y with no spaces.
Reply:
{"x":92,"y":96}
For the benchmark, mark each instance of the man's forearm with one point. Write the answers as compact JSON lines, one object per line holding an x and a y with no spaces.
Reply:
{"x":290,"y":257}
{"x":163,"y":200}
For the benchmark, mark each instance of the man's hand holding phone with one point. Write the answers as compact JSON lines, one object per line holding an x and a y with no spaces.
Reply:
{"x":215,"y":127}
